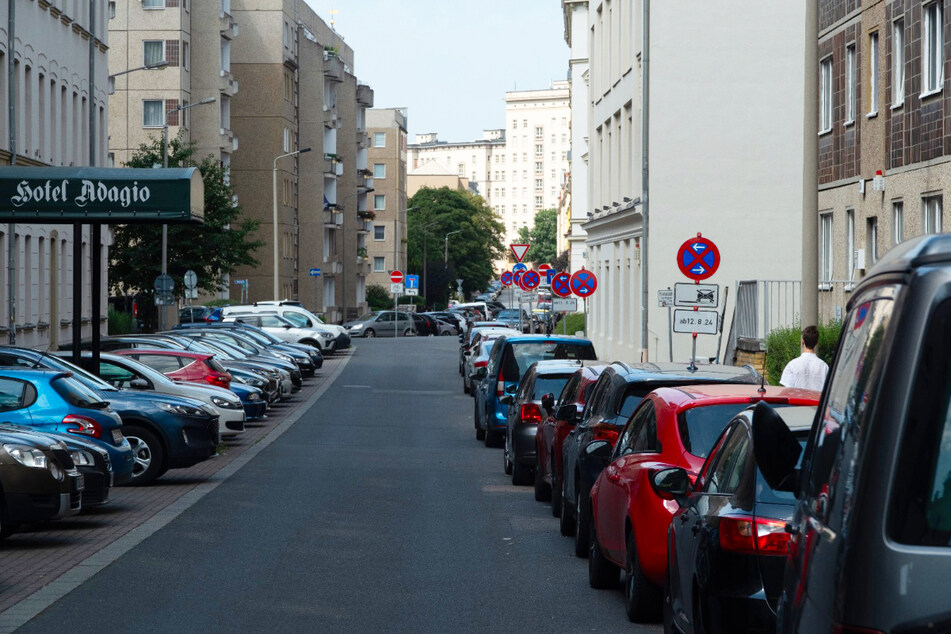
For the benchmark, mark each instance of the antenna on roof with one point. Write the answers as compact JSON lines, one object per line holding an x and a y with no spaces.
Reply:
{"x":762,"y":385}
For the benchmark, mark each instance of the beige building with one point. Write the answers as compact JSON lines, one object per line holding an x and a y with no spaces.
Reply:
{"x":469,"y":161}
{"x":434,"y":175}
{"x":385,"y":242}
{"x":60,"y":114}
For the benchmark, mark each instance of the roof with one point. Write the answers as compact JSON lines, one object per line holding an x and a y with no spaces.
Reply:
{"x":686,"y":396}
{"x":166,"y":352}
{"x":556,"y":366}
{"x":552,"y":338}
{"x":668,"y":371}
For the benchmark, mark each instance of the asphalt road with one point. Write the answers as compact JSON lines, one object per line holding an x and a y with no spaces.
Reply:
{"x":377,"y":510}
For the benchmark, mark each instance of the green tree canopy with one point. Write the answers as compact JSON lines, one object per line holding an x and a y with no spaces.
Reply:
{"x":213,"y":249}
{"x":471,"y":252}
{"x":542,"y":236}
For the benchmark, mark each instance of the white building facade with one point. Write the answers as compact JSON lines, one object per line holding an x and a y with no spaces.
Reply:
{"x":726,"y":158}
{"x":571,"y":223}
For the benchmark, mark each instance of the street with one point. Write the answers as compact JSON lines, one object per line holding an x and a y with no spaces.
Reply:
{"x":377,"y":510}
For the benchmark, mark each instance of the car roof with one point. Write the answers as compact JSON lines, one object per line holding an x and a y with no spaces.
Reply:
{"x":687,"y":396}
{"x":166,"y":352}
{"x":32,"y":373}
{"x":546,"y":338}
{"x":557,"y":366}
{"x":668,"y":371}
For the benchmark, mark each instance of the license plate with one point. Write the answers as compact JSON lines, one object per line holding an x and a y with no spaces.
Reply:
{"x":117,"y":436}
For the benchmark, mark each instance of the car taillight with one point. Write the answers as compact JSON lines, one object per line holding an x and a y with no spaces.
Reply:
{"x":603,"y":433}
{"x":82,"y":425}
{"x":531,"y":414}
{"x":221,"y":380}
{"x":480,"y":364}
{"x":743,"y":534}
{"x":500,"y":388}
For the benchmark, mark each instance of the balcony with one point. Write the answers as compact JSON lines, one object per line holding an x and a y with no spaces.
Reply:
{"x":364,"y":225}
{"x":227,"y":26}
{"x":333,"y":67}
{"x":363,"y":267}
{"x":363,"y":140}
{"x":332,"y":217}
{"x":366,"y":215}
{"x":332,"y":167}
{"x":332,"y":119}
{"x":364,"y":95}
{"x":226,"y":82}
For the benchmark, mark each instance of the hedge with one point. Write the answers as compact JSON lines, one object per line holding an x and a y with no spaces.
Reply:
{"x":782,"y":346}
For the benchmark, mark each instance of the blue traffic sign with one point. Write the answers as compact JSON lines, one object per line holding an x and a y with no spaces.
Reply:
{"x":412,"y":281}
{"x":315,"y":272}
{"x":519,"y":267}
{"x":531,"y":280}
{"x":561,"y":284}
{"x":549,"y":275}
{"x":583,"y":283}
{"x":241,"y":282}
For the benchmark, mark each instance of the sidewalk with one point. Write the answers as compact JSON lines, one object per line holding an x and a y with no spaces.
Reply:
{"x":32,"y":560}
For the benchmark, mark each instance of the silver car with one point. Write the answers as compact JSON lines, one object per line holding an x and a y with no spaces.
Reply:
{"x":384,"y":323}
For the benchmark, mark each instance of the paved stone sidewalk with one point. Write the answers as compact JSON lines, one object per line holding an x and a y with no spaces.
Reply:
{"x":32,"y":560}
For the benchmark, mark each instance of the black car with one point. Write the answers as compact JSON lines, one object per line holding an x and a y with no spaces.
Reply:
{"x":870,"y":538}
{"x":193,"y":314}
{"x":726,"y":546}
{"x":425,"y":325}
{"x":38,"y":480}
{"x":614,"y":398}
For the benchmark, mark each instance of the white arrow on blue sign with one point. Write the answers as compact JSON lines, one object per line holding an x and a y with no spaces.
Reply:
{"x":315,"y":272}
{"x":520,"y":267}
{"x":412,"y":281}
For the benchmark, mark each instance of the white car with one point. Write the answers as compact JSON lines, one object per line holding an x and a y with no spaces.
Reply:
{"x":286,"y":331}
{"x":124,"y":372}
{"x":478,"y":353}
{"x":297,"y":315}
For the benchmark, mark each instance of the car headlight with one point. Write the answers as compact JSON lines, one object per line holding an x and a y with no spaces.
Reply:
{"x":327,"y":335}
{"x":255,"y":396}
{"x":181,"y":409}
{"x":225,"y":403}
{"x":27,"y":456}
{"x":82,"y":458}
{"x":356,"y":327}
{"x":283,"y":357}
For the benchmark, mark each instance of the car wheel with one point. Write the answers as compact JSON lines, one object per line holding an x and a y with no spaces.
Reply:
{"x":369,"y":334}
{"x":445,"y":333}
{"x":542,"y":490}
{"x":566,"y":522}
{"x":582,"y":525}
{"x":602,"y":574}
{"x":555,"y":495}
{"x":148,"y":455}
{"x":506,"y":465}
{"x":521,"y":473}
{"x":641,"y":597}
{"x":407,"y":333}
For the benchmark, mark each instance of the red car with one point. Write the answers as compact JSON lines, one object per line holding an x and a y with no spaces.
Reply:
{"x":553,"y":431}
{"x":672,"y":427}
{"x":180,"y":365}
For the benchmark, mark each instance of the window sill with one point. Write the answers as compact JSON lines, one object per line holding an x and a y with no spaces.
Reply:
{"x":824,"y":286}
{"x":930,"y":93}
{"x":849,"y":123}
{"x":898,"y":106}
{"x":872,"y":114}
{"x":825,"y":132}
{"x":848,"y":287}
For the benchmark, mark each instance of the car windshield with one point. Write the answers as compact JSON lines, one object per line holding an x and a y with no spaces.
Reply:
{"x":221,"y":350}
{"x":550,"y":384}
{"x":524,"y":353}
{"x":508,"y":313}
{"x":366,"y":317}
{"x":88,"y":379}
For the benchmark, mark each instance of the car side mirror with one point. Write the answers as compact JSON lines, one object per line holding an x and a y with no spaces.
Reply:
{"x":478,"y":375}
{"x":567,"y":413}
{"x":598,"y":449}
{"x":287,"y":326}
{"x":139,"y":384}
{"x":511,"y":389}
{"x":548,"y":402}
{"x":776,"y":449}
{"x":671,"y":484}
{"x":507,"y":399}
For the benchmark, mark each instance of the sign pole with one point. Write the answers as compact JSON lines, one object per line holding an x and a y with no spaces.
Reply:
{"x":693,"y":356}
{"x":670,"y":334}
{"x":315,"y":294}
{"x":585,"y":316}
{"x":396,"y":314}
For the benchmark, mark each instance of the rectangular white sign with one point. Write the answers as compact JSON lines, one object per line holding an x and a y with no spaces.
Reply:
{"x":702,"y":295}
{"x":527,"y":298}
{"x":396,"y":288}
{"x":412,"y":291}
{"x":564,"y":304}
{"x":703,"y":322}
{"x":665,"y":298}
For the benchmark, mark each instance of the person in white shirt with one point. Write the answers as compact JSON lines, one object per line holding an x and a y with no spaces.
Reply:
{"x":807,"y":370}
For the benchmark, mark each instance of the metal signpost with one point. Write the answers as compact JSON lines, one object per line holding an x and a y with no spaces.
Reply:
{"x":396,"y":287}
{"x":698,"y":258}
{"x":530,"y":281}
{"x":584,"y":283}
{"x":164,"y":287}
{"x":191,"y":286}
{"x":665,"y":299}
{"x":244,"y":290}
{"x":315,"y":273}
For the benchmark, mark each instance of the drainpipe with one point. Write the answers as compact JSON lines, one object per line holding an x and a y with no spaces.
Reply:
{"x":645,"y":173}
{"x":12,"y":119}
{"x":810,"y":173}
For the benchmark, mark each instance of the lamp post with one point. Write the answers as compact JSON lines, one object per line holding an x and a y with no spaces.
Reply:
{"x":155,"y":66}
{"x":277,"y":277}
{"x":165,"y":166}
{"x":445,"y":256}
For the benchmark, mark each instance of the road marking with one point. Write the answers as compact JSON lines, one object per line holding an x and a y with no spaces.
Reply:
{"x":362,"y":387}
{"x":22,"y":612}
{"x":416,"y":392}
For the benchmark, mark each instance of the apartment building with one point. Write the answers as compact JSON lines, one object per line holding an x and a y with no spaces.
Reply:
{"x":170,"y":64}
{"x":467,"y":160}
{"x":571,"y":234}
{"x":385,"y":239}
{"x":726,"y":166}
{"x":884,"y":150}
{"x":305,"y":128}
{"x":60,"y":118}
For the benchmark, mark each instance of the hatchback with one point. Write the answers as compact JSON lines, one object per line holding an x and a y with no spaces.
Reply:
{"x":386,"y":323}
{"x":180,"y":365}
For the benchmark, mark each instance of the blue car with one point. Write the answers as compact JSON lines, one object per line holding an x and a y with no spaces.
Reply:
{"x":166,"y":432}
{"x":511,"y":356}
{"x":55,"y":401}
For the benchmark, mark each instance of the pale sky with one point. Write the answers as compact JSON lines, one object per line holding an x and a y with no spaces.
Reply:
{"x":450,"y":62}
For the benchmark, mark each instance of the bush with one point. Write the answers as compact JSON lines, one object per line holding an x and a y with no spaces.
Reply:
{"x":220,"y":302}
{"x":120,"y":323}
{"x":378,"y":297}
{"x":782,"y":346}
{"x":575,"y":321}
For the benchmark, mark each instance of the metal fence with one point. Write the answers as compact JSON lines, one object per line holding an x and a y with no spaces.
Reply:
{"x":762,"y":306}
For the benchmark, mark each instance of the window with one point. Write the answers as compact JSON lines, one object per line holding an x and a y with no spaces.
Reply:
{"x":873,"y":73}
{"x":112,"y":10}
{"x":538,"y":132}
{"x":287,"y":35}
{"x":898,"y":63}
{"x":539,"y":149}
{"x":153,"y":4}
{"x":850,"y":84}
{"x":538,"y":184}
{"x":538,"y":167}
{"x":379,"y":202}
{"x":898,"y":221}
{"x":153,"y":52}
{"x":379,"y":264}
{"x":379,"y":170}
{"x":379,"y":232}
{"x":538,"y":202}
{"x":825,"y":247}
{"x":15,"y":394}
{"x":286,"y":141}
{"x":186,"y":55}
{"x":850,"y":242}
{"x":152,"y":115}
{"x":462,"y":169}
{"x":825,"y":95}
{"x":871,"y":240}
{"x":730,"y":463}
{"x":931,"y":214}
{"x":379,"y":139}
{"x":932,"y":49}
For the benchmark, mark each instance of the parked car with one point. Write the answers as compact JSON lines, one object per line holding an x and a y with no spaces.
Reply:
{"x":167,"y":432}
{"x":726,"y":548}
{"x":477,"y":354}
{"x":232,"y":358}
{"x":511,"y":356}
{"x":297,"y":315}
{"x":322,"y":338}
{"x":38,"y":480}
{"x":182,"y":365}
{"x":516,"y":318}
{"x":555,"y":428}
{"x":534,"y":400}
{"x":248,"y":340}
{"x":262,"y":338}
{"x":126,"y":373}
{"x":383,"y":323}
{"x":870,"y":534}
{"x":53,"y":401}
{"x":672,"y":427}
{"x":444,"y":325}
{"x":192,"y":314}
{"x":617,"y":393}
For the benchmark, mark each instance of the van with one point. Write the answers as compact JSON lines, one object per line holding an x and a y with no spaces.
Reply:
{"x":297,"y":315}
{"x":870,"y":539}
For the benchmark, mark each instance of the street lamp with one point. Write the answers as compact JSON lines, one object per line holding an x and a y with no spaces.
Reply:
{"x":165,"y":166}
{"x":446,"y":250}
{"x":277,"y":277}
{"x":155,"y":66}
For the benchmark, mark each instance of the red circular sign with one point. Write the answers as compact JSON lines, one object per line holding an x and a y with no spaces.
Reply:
{"x":698,"y":258}
{"x":506,"y":278}
{"x":583,"y":283}
{"x":396,"y":277}
{"x":561,"y":284}
{"x":544,"y":267}
{"x":531,"y":280}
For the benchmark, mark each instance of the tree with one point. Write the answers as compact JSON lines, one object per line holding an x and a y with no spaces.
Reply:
{"x":213,"y":249}
{"x":378,"y":297}
{"x":471,"y":252}
{"x":542,"y":236}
